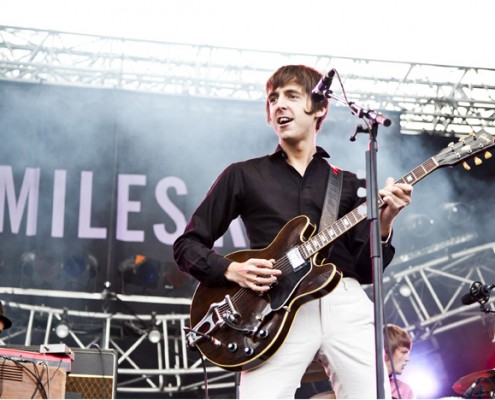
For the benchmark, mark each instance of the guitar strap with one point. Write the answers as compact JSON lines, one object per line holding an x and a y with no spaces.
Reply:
{"x":332,"y":199}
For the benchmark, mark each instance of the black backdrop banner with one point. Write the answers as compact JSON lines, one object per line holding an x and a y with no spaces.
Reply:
{"x":91,"y":178}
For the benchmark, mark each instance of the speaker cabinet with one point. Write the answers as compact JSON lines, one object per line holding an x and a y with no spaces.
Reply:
{"x":93,"y":374}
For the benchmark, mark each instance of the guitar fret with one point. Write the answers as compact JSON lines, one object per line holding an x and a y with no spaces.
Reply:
{"x":409,"y":178}
{"x":431,"y":164}
{"x":311,"y":246}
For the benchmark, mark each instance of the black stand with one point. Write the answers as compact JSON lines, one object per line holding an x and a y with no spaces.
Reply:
{"x":373,"y":119}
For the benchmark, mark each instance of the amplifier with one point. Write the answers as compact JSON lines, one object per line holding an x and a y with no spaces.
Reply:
{"x":28,"y":380}
{"x":93,"y":372}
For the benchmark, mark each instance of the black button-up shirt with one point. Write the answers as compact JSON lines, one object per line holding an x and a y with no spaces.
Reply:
{"x":267,"y":192}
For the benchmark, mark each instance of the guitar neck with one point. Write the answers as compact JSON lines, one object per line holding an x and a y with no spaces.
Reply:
{"x":351,"y":219}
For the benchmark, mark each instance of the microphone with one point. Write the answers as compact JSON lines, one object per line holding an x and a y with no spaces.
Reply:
{"x":477,"y":293}
{"x":319,"y":91}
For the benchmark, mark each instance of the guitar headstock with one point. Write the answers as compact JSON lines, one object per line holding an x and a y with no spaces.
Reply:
{"x":469,"y":146}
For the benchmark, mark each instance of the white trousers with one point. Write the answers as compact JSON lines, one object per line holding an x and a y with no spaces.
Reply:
{"x":337,"y":330}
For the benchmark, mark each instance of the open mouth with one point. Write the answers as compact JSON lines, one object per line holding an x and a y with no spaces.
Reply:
{"x":284,"y":120}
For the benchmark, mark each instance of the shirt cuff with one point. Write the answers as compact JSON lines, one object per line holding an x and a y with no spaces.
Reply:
{"x":387,"y":240}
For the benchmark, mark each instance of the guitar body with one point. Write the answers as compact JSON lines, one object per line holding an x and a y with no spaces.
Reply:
{"x":259,"y":323}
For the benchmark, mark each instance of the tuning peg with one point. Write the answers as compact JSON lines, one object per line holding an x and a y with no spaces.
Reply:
{"x":451,"y":144}
{"x":477,"y":161}
{"x":488,"y":155}
{"x":466,"y":166}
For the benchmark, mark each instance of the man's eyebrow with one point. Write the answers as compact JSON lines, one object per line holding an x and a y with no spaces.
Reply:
{"x":290,"y":91}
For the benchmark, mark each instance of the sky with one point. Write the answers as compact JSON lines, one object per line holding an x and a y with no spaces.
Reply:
{"x":446,"y":32}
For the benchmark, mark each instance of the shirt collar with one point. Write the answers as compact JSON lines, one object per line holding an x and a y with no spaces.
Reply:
{"x":320,"y":152}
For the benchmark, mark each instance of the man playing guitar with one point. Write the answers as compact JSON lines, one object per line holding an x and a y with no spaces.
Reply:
{"x":267,"y":192}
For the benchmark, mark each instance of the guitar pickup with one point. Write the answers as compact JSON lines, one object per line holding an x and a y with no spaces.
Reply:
{"x":295,"y":258}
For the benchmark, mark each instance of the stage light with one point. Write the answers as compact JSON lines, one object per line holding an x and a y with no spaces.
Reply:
{"x":154,"y":335}
{"x":405,"y":290}
{"x":419,"y":225}
{"x":140,"y":271}
{"x":39,"y":269}
{"x":27,"y":262}
{"x":75,"y":265}
{"x":62,"y":330}
{"x":425,"y":374}
{"x":458,"y":214}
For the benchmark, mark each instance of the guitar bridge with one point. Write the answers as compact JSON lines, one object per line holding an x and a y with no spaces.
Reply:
{"x":217,"y":316}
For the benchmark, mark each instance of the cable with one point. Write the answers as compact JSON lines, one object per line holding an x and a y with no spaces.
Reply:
{"x":40,"y":385}
{"x":203,"y":363}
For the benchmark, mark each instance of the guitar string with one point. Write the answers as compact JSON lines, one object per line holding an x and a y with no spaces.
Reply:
{"x":243,"y":293}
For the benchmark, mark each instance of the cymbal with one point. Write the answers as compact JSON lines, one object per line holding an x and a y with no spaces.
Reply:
{"x":482,"y":384}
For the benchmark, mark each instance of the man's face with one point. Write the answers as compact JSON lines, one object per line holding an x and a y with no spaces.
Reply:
{"x":286,"y":113}
{"x":400,"y":358}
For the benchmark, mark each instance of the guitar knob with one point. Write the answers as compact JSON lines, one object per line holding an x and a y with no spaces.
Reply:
{"x":232,"y":347}
{"x":477,"y":161}
{"x":488,"y":155}
{"x":466,"y":166}
{"x":249,"y":351}
{"x":263,"y":334}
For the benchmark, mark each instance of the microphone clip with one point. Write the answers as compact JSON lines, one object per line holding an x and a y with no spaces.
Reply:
{"x":480,"y":292}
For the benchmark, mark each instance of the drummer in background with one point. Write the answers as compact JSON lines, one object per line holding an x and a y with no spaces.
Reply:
{"x":5,"y":323}
{"x":398,"y":345}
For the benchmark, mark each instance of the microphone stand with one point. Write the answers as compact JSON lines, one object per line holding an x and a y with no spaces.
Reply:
{"x":375,"y":118}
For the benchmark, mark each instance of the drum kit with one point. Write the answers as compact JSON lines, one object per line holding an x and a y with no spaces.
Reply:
{"x":477,"y":385}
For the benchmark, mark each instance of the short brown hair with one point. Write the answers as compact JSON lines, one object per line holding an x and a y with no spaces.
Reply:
{"x":396,"y":337}
{"x":303,"y":75}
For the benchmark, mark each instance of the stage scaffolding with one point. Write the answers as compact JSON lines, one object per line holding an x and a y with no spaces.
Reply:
{"x":432,"y":99}
{"x":166,"y":365}
{"x":151,"y":351}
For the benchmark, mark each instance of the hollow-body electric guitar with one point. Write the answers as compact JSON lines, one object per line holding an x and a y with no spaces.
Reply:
{"x":239,"y":329}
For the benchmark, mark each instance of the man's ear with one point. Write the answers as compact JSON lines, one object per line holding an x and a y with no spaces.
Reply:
{"x":321,"y":112}
{"x":387,"y":358}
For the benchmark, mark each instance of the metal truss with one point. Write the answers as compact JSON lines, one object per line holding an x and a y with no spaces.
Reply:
{"x":432,"y":99}
{"x":422,"y":296}
{"x":425,"y":296}
{"x":144,"y":365}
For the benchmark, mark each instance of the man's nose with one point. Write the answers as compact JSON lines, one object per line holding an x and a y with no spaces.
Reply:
{"x":282,"y":102}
